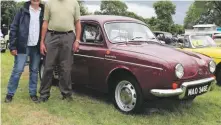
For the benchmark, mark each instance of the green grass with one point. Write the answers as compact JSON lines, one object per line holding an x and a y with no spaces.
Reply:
{"x":87,"y":110}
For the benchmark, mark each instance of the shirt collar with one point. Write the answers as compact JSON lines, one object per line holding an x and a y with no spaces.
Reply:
{"x":31,"y":8}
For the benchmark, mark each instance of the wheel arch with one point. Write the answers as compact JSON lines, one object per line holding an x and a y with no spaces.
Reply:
{"x":115,"y":73}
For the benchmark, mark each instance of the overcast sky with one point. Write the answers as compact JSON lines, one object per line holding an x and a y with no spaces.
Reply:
{"x":145,"y":8}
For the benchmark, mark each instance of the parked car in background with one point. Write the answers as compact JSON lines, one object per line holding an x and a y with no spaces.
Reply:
{"x":121,"y":56}
{"x":204,"y":45}
{"x":3,"y":43}
{"x":217,"y":39}
{"x":165,"y":36}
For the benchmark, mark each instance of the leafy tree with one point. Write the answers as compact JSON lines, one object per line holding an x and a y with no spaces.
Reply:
{"x":177,"y":29}
{"x":116,"y":8}
{"x":8,"y":10}
{"x":193,"y":15}
{"x":213,"y":13}
{"x":83,"y":9}
{"x":112,"y":8}
{"x":203,"y":12}
{"x":164,"y":11}
{"x":153,"y":22}
{"x":133,"y":15}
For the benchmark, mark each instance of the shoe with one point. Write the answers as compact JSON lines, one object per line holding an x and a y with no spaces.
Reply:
{"x":41,"y":99}
{"x":34,"y":98}
{"x":8,"y":98}
{"x":68,"y":98}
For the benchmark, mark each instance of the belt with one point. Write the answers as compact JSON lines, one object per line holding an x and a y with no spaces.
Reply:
{"x":60,"y":32}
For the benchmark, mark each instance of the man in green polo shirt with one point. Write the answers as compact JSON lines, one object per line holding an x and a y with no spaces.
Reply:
{"x":60,"y":37}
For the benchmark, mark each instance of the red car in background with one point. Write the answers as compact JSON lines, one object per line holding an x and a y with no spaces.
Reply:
{"x":121,"y":56}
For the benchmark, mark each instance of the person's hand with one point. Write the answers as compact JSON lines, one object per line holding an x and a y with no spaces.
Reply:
{"x":14,"y":52}
{"x":76,"y":46}
{"x":43,"y":48}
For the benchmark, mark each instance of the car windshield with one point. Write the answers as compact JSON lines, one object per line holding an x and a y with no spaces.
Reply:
{"x":169,"y":35}
{"x":202,"y":41}
{"x":126,"y":31}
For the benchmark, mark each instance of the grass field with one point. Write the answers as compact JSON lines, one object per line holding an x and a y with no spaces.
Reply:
{"x":91,"y":109}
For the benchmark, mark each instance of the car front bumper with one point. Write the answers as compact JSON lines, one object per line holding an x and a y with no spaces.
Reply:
{"x":182,"y":91}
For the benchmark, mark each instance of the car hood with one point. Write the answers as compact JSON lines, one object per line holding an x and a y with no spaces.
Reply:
{"x":166,"y":53}
{"x":214,"y":52}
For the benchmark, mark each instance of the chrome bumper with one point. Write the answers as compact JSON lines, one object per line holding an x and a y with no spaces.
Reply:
{"x":180,"y":92}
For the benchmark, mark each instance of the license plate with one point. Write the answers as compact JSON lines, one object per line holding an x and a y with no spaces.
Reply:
{"x":197,"y":90}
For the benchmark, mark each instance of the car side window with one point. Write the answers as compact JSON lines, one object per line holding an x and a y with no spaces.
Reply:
{"x":160,"y":36}
{"x":92,"y":34}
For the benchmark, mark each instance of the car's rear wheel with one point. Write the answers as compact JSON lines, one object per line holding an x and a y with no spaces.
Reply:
{"x":55,"y":81}
{"x":127,"y":95}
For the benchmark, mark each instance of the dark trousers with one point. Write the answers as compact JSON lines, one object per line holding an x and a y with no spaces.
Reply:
{"x":59,"y":52}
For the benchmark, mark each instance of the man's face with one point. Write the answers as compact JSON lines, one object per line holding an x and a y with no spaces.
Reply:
{"x":35,"y":2}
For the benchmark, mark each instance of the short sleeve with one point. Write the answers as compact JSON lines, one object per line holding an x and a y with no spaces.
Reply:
{"x":46,"y":12}
{"x":77,"y":12}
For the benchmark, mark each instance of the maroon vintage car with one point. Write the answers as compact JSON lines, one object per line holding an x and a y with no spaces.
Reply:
{"x":121,"y":56}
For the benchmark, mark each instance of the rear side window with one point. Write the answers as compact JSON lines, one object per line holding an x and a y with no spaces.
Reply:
{"x":92,"y":33}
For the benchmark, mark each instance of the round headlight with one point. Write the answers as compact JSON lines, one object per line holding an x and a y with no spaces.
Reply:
{"x":179,"y":71}
{"x":212,"y":66}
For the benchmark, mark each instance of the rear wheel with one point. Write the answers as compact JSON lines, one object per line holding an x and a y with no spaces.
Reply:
{"x":127,"y":95}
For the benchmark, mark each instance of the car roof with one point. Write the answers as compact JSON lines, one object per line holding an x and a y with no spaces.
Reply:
{"x":219,"y":34}
{"x":109,"y":18}
{"x":196,"y":35}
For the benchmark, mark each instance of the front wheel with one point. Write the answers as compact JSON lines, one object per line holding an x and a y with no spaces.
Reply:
{"x":218,"y":77}
{"x":127,"y":95}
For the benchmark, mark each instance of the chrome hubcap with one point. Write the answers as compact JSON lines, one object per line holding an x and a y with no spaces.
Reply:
{"x":125,"y":96}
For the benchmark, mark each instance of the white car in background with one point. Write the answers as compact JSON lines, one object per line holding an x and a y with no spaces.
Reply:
{"x":217,"y":39}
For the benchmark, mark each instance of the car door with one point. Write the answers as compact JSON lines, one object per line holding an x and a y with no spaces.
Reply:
{"x":80,"y":74}
{"x":93,"y":48}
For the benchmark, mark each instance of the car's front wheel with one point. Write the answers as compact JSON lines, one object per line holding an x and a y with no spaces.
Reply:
{"x":218,"y":77}
{"x":127,"y":95}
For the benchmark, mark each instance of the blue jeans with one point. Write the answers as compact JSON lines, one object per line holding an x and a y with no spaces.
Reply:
{"x":19,"y":64}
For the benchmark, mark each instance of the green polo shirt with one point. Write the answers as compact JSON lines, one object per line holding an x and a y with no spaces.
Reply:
{"x":62,"y":14}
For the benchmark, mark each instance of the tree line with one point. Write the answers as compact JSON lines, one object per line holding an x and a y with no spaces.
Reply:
{"x":203,"y":12}
{"x":162,"y":22}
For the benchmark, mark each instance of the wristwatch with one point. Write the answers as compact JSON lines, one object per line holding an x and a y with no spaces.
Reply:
{"x":77,"y":40}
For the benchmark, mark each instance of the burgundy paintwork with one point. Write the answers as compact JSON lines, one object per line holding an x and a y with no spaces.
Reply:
{"x":93,"y":66}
